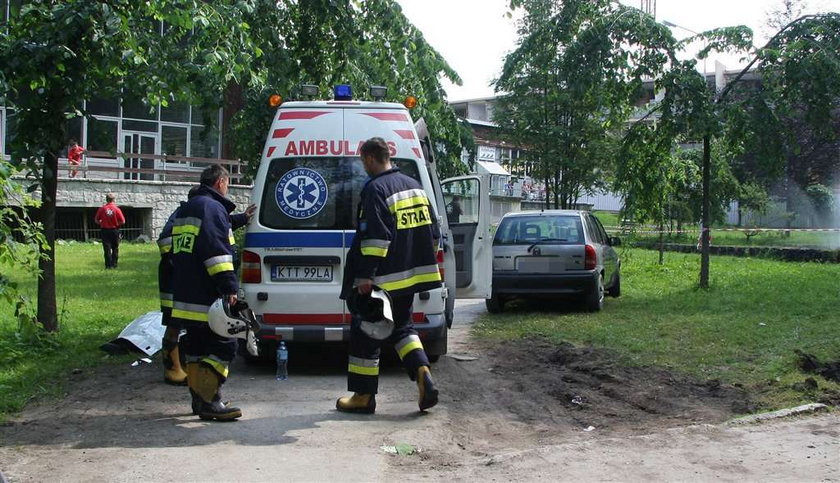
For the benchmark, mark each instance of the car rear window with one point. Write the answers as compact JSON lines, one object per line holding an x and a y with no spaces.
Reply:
{"x":562,"y":229}
{"x":308,"y":193}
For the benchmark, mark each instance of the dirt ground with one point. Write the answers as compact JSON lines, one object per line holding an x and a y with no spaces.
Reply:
{"x":518,"y":411}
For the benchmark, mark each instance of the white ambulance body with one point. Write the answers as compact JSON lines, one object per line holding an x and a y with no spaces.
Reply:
{"x":307,"y":189}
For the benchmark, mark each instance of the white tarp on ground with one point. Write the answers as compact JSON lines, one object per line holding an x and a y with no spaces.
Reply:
{"x":145,"y":332}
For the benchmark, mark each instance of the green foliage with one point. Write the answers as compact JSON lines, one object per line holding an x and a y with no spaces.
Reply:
{"x":571,"y":84}
{"x":360,"y":43}
{"x":736,"y":332}
{"x":20,"y":239}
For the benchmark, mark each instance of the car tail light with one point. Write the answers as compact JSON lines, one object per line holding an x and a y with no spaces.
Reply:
{"x":591,"y":259}
{"x":251,"y":270}
{"x":439,"y":258}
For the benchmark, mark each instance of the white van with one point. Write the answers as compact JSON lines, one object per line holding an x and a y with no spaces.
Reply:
{"x":306,"y":190}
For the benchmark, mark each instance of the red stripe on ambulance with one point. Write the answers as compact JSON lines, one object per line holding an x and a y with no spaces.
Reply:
{"x":307,"y":319}
{"x":282,"y":132}
{"x":417,"y":152}
{"x":270,"y":151}
{"x":387,"y":116}
{"x":405,"y":133}
{"x":287,"y":115}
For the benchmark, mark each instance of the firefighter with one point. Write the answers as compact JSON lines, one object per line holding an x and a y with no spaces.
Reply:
{"x":173,"y":372}
{"x":394,"y":249}
{"x":202,"y":264}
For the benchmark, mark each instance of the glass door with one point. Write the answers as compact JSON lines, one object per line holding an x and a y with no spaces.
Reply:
{"x":135,"y":143}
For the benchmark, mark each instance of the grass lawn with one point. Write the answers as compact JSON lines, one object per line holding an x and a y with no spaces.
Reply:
{"x":743,"y":330}
{"x":94,"y":306}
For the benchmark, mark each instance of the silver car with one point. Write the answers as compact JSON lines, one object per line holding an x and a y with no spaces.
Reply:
{"x":545,"y":254}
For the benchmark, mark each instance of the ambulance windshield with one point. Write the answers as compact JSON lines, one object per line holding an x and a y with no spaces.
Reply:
{"x":316,"y":193}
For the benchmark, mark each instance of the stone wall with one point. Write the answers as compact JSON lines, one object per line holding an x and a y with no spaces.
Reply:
{"x":161,"y":197}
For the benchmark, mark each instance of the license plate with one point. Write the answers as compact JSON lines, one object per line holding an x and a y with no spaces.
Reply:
{"x":540,"y":264}
{"x":298,"y":273}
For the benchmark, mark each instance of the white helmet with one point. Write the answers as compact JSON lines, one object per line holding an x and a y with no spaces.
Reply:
{"x":237,"y":321}
{"x":375,"y":312}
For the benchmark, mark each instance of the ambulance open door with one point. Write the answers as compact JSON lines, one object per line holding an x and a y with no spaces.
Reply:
{"x":467,"y":204}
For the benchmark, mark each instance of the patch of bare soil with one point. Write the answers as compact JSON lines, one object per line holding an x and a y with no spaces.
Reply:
{"x":538,"y":383}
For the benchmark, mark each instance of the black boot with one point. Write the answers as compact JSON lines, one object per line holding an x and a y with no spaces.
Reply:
{"x":427,"y":389}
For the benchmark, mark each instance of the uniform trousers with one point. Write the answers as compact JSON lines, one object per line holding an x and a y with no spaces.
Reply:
{"x":111,"y":246}
{"x":363,"y":364}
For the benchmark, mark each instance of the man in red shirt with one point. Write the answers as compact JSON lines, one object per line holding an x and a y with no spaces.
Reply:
{"x":74,"y":156}
{"x":110,"y":218}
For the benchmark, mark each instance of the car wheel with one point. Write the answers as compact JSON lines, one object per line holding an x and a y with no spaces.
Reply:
{"x":615,"y":290}
{"x":595,"y":298}
{"x":495,"y":304}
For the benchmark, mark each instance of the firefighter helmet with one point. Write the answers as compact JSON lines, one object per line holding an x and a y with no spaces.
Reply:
{"x":375,"y":312}
{"x":235,"y":320}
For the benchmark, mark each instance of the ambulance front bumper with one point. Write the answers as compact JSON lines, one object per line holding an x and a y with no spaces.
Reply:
{"x":432,"y":328}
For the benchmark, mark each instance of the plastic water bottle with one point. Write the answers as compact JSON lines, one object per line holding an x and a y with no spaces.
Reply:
{"x":282,"y":361}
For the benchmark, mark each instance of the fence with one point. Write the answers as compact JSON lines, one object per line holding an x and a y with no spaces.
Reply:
{"x":149,"y":167}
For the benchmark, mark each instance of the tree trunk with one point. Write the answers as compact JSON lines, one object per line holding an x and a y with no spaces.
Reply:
{"x":661,"y":242}
{"x":47,"y":313}
{"x":707,"y":203}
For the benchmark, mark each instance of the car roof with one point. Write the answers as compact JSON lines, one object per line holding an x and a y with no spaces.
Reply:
{"x":545,"y":213}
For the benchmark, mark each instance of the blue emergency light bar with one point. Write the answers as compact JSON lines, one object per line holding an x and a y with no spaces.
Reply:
{"x":343,"y":92}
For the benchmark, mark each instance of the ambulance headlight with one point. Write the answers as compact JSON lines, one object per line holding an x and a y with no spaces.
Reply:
{"x":343,"y":92}
{"x":378,"y":92}
{"x":308,"y":90}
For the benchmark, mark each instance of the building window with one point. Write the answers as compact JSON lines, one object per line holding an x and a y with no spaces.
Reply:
{"x":102,"y":135}
{"x":174,"y":140}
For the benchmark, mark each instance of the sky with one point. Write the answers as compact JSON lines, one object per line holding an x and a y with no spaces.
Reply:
{"x":475,"y":35}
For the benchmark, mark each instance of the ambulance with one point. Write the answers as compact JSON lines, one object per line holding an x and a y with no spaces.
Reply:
{"x":306,"y":190}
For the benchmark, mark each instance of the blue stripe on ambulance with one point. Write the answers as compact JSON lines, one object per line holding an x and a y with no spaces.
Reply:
{"x":312,"y":239}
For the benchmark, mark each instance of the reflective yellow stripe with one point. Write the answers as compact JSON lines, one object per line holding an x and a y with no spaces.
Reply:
{"x":165,"y":248}
{"x":232,"y":240}
{"x":219,"y":267}
{"x":408,"y":202}
{"x":413,"y":217}
{"x":217,"y":366}
{"x":416,"y":344}
{"x":189,"y":315}
{"x":181,"y":229}
{"x":165,"y":303}
{"x":375,"y":251}
{"x":364,"y":371}
{"x":408,"y":282}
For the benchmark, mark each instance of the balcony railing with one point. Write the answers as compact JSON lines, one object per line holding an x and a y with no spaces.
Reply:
{"x":147,"y":167}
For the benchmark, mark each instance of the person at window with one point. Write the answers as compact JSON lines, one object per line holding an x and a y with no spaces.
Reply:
{"x":74,"y":157}
{"x":453,"y":210}
{"x":110,"y":218}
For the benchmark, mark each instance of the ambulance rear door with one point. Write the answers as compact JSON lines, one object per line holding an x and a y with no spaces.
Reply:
{"x":305,"y":209}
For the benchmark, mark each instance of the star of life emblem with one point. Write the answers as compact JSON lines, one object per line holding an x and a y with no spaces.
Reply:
{"x":301,"y":193}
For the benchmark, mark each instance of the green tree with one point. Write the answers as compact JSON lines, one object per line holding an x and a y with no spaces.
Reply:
{"x":571,"y":83}
{"x":57,"y":53}
{"x":324,"y":42}
{"x":800,"y":71}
